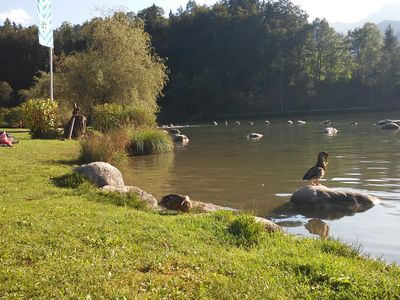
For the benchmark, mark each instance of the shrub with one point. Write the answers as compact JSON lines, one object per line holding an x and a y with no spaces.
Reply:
{"x":41,"y":116}
{"x":111,"y":116}
{"x":150,"y":141}
{"x":108,"y":147}
{"x":10,"y":117}
{"x":247,"y":232}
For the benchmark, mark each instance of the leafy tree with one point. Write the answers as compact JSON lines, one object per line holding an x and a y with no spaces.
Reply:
{"x":67,"y":39}
{"x":328,"y":56}
{"x":366,"y":45}
{"x":118,"y":66}
{"x":389,"y":67}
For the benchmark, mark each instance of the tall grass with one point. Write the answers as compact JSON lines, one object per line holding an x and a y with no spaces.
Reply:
{"x":150,"y":141}
{"x":111,"y":116}
{"x":108,"y":147}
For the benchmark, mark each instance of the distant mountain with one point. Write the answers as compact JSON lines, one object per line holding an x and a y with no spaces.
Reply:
{"x":389,"y":13}
{"x":395,"y":25}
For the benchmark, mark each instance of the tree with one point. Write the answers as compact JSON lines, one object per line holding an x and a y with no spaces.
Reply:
{"x":366,"y":47}
{"x":21,"y":56}
{"x":327,"y":54}
{"x":118,"y":66}
{"x":5,"y":93}
{"x":389,"y":67}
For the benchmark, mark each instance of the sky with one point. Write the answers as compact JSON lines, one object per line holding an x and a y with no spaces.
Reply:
{"x":24,"y":11}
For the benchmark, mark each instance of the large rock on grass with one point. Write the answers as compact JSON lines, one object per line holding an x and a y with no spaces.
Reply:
{"x":100,"y":174}
{"x":145,"y":197}
{"x":325,"y":202}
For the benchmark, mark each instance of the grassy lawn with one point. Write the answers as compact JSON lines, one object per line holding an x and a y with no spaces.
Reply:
{"x":64,"y":243}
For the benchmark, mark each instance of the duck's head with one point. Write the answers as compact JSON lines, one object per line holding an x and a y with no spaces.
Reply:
{"x":323,"y":157}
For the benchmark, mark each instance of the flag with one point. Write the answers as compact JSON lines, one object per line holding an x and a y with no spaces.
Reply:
{"x":45,"y":18}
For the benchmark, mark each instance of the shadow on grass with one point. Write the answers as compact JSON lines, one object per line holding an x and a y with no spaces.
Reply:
{"x":71,"y":180}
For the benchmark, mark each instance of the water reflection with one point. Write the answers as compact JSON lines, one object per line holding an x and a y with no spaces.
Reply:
{"x":290,"y":209}
{"x":318,"y":227}
{"x":158,"y":175}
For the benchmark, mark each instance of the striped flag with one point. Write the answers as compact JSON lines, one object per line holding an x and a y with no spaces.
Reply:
{"x":45,"y":17}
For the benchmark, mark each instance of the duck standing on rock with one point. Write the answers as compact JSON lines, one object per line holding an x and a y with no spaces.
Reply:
{"x":318,"y":171}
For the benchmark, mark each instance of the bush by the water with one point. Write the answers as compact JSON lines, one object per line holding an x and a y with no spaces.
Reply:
{"x":109,"y":147}
{"x":150,"y":141}
{"x":10,"y":117}
{"x":111,"y":116}
{"x":246,"y":231}
{"x":41,"y":117}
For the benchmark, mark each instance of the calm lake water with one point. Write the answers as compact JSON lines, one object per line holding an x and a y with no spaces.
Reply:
{"x":221,"y":166}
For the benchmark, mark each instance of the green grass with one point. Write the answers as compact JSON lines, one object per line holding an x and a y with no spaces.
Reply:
{"x":150,"y":141}
{"x":63,"y":243}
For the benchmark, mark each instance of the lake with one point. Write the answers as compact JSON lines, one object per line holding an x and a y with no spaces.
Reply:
{"x":220,"y":165}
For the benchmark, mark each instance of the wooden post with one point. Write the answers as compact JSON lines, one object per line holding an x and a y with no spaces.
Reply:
{"x":71,"y":128}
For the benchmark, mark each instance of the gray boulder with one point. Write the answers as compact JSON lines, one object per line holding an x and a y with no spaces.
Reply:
{"x":145,"y":197}
{"x":204,"y":207}
{"x":100,"y":174}
{"x":327,"y":203}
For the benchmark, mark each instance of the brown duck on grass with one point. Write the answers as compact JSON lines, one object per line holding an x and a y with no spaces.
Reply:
{"x":318,"y":171}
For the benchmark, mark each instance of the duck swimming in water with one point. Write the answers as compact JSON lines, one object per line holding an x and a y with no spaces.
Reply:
{"x":318,"y":171}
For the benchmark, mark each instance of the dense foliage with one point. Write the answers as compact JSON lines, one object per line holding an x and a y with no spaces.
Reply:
{"x":10,"y":117}
{"x":236,"y":56}
{"x":111,"y":116}
{"x":41,"y":117}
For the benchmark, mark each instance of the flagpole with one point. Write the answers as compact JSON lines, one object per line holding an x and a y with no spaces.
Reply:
{"x":51,"y":74}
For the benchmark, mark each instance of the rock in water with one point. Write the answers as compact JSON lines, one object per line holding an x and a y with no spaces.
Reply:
{"x":176,"y":202}
{"x":100,"y":174}
{"x":320,"y":200}
{"x":180,"y":138}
